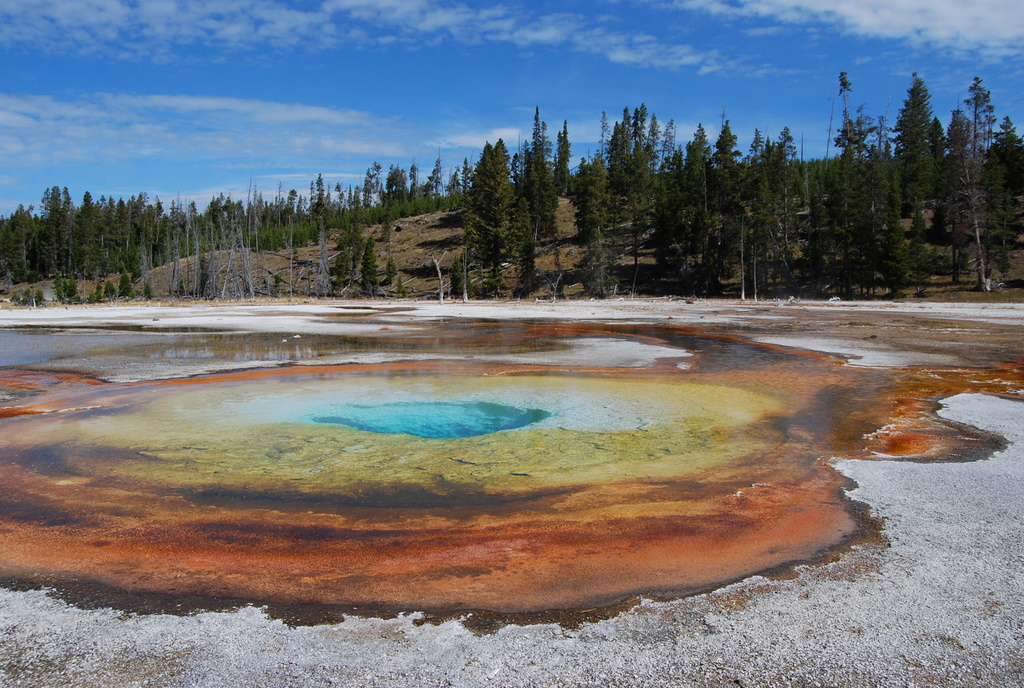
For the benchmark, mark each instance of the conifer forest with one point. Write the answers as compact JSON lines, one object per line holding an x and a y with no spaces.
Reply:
{"x":893,"y":204}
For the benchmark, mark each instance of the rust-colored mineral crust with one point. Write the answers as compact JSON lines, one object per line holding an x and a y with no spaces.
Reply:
{"x":658,"y":481}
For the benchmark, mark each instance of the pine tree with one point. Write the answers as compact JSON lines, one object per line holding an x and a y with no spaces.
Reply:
{"x":676,"y":246}
{"x":490,"y":213}
{"x":969,"y":138}
{"x":563,"y":153}
{"x":1008,"y":149}
{"x":895,"y":260}
{"x":368,"y":267}
{"x":698,"y":218}
{"x":415,"y":190}
{"x":458,"y":277}
{"x":87,"y":258}
{"x":372,"y":186}
{"x":390,"y":271}
{"x":396,"y":187}
{"x":99,"y":292}
{"x":920,"y":260}
{"x":591,"y":201}
{"x":1004,"y":184}
{"x":124,"y":286}
{"x":913,"y":150}
{"x":855,"y":214}
{"x":322,"y":284}
{"x":630,"y":162}
{"x":726,"y":205}
{"x":538,"y":183}
{"x":435,"y":184}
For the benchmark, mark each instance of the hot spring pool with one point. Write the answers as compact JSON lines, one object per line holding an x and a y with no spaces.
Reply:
{"x":441,"y":485}
{"x":437,"y":420}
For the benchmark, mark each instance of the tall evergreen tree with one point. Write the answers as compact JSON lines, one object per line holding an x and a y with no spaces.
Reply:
{"x":538,"y":183}
{"x":368,"y":267}
{"x":699,"y":218}
{"x":396,"y":187}
{"x":726,"y":205}
{"x":435,"y":184}
{"x":969,"y":138}
{"x":914,"y":150}
{"x":894,"y":264}
{"x":491,"y":213}
{"x":563,"y":153}
{"x":1008,"y":149}
{"x":630,"y":162}
{"x":415,"y":189}
{"x":591,"y":201}
{"x":322,"y":283}
{"x":852,"y":189}
{"x":373,"y":186}
{"x":1004,"y":180}
{"x":87,"y":227}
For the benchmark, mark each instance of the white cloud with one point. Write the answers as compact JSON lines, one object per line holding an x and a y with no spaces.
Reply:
{"x":644,"y":50}
{"x":252,"y":110}
{"x":993,"y":27}
{"x":161,"y":29}
{"x":476,"y":140}
{"x":44,"y":130}
{"x":157,"y":27}
{"x":188,"y":138}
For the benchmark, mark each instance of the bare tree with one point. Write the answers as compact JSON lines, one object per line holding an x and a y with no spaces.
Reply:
{"x":969,"y":138}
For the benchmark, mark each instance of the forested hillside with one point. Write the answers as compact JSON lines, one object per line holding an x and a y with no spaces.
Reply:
{"x":897,"y":206}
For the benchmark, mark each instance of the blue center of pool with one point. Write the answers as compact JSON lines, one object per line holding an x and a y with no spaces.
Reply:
{"x":436,"y":420}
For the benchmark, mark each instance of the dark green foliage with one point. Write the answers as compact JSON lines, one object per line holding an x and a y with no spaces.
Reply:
{"x":1003,"y":178}
{"x":491,"y":214}
{"x":1008,"y":151}
{"x":883,"y":212}
{"x":631,"y":161}
{"x":563,"y":154}
{"x":591,"y":218}
{"x":920,"y":261}
{"x":368,"y":267}
{"x":458,"y":276}
{"x":99,"y":293}
{"x":537,"y":186}
{"x":915,"y":150}
{"x":390,"y":271}
{"x":124,"y":286}
{"x":396,"y":187}
{"x":894,"y":264}
{"x":65,"y":290}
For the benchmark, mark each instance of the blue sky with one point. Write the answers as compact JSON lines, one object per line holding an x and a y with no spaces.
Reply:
{"x":191,"y":98}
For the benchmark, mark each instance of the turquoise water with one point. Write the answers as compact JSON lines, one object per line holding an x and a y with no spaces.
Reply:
{"x":435,"y":420}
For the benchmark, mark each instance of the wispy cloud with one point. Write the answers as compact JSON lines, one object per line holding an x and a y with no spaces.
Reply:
{"x":475,"y":140}
{"x":990,"y":27}
{"x":161,"y":30}
{"x":644,"y":50}
{"x":38,"y":130}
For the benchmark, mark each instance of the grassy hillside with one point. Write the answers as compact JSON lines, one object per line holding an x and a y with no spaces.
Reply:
{"x":416,"y":242}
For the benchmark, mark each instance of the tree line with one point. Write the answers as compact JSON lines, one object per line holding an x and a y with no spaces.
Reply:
{"x":213,"y":252}
{"x":897,"y":203}
{"x":890,"y":205}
